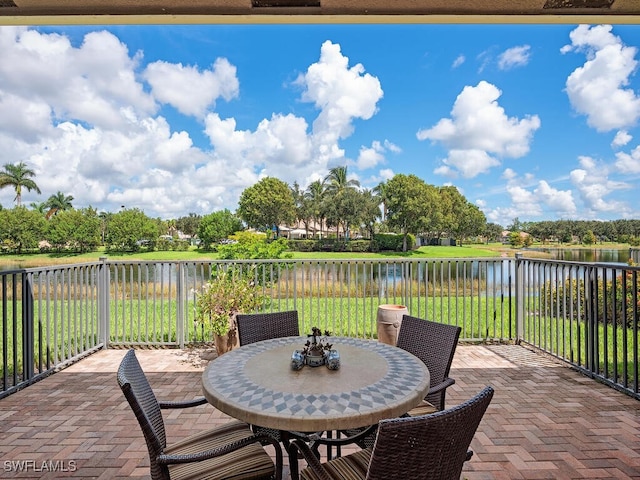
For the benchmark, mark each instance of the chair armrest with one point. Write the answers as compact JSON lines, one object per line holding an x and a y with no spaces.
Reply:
{"x":231,"y":447}
{"x":184,"y":403}
{"x":441,"y":386}
{"x":337,"y":442}
{"x":312,"y":460}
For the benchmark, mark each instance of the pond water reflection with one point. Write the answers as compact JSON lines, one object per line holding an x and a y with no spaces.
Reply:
{"x":599,"y":255}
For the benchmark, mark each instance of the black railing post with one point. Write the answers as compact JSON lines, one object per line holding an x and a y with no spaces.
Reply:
{"x":28,"y":344}
{"x":520,"y":289}
{"x":591,"y":289}
{"x":104,"y":294}
{"x":180,"y":303}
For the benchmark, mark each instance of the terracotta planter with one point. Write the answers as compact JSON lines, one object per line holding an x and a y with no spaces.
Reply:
{"x":389,"y":322}
{"x":225,"y":342}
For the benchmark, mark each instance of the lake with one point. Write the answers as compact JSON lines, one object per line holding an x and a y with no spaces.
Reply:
{"x":599,"y":255}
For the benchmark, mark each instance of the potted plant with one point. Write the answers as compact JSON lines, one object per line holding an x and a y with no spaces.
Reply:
{"x":226,"y":294}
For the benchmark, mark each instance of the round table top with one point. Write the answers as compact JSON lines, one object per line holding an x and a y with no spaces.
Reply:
{"x":255,"y":384}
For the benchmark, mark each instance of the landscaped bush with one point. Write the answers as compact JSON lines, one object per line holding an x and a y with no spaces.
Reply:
{"x":303,"y":245}
{"x":392,"y":242}
{"x":617,"y":296}
{"x":358,"y":246}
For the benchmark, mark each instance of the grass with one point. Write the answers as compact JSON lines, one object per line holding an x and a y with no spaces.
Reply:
{"x":33,"y":260}
{"x":68,"y":328}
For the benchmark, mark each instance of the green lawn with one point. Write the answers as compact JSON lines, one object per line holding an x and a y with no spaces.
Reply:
{"x":48,"y":259}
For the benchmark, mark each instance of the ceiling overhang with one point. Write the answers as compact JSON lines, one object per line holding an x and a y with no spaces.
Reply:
{"x":233,"y":11}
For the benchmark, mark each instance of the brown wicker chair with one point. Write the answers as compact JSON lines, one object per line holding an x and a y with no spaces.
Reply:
{"x":255,"y":327}
{"x":434,"y":344}
{"x":228,"y":451}
{"x":428,"y":447}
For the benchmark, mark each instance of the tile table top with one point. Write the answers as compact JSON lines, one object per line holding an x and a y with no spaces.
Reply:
{"x":255,"y":383}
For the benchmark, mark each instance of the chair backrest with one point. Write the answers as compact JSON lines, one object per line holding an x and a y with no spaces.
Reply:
{"x":263,"y":326}
{"x":434,"y":344}
{"x":143,"y":402}
{"x":428,"y":447}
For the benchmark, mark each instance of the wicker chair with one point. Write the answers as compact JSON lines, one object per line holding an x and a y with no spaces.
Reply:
{"x":255,"y":327}
{"x":264,"y":326}
{"x":225,"y":452}
{"x":428,"y":447}
{"x":434,"y":344}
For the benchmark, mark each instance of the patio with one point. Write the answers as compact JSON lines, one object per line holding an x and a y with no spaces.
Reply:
{"x":546,"y":421}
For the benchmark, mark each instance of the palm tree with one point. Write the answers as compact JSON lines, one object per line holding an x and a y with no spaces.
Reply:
{"x":315,"y":196}
{"x":58,"y":202}
{"x":381,"y":191}
{"x":18,"y":176}
{"x":336,"y":180}
{"x":39,"y":207}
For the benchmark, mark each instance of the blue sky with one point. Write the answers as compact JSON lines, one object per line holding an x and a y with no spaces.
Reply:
{"x":538,"y":122}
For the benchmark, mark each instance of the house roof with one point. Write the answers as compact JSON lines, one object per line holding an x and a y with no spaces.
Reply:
{"x":291,"y":11}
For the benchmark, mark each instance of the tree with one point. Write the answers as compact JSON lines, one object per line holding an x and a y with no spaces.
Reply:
{"x":460,"y":218}
{"x":589,"y":238}
{"x":412,"y":205}
{"x":40,"y":207}
{"x":75,"y":230}
{"x":21,"y":229}
{"x":337,"y":185}
{"x":337,"y":181}
{"x":189,"y":224}
{"x":381,"y":191}
{"x":369,"y":211}
{"x":346,"y":209}
{"x":58,"y":202}
{"x":18,"y":177}
{"x":129,"y":230}
{"x":267,"y":204}
{"x":493,"y":232}
{"x":216,"y":226}
{"x":315,"y":196}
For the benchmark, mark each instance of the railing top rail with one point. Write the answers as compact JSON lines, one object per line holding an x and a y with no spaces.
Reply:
{"x":308,"y":260}
{"x":610,"y":265}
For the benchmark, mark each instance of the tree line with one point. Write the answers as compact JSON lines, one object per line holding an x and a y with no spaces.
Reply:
{"x":335,"y":206}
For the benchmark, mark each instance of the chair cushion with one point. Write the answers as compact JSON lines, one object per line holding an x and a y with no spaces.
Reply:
{"x":425,"y":408}
{"x":251,"y":462}
{"x":350,"y":467}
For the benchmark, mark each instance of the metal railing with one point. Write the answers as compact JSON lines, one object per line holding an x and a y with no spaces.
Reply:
{"x":53,"y":316}
{"x":586,"y":314}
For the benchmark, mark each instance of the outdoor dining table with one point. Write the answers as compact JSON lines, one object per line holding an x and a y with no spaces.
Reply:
{"x":256,"y":384}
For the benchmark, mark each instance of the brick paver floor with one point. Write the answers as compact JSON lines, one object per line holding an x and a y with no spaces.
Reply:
{"x":546,"y":421}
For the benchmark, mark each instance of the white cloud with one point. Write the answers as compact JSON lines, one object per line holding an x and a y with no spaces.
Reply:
{"x":593,"y":184}
{"x":621,"y":139}
{"x":85,"y":118}
{"x":530,"y":198}
{"x":460,"y":59}
{"x":479,"y":131}
{"x":514,"y":57}
{"x":342,"y":94}
{"x":94,"y":83}
{"x":189,"y":90}
{"x":469,"y":163}
{"x":283,"y":146}
{"x":370,"y":157}
{"x":628,"y":162}
{"x":598,"y":88}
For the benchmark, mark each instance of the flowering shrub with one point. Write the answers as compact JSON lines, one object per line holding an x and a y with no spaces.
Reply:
{"x":223,"y":297}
